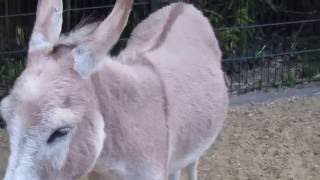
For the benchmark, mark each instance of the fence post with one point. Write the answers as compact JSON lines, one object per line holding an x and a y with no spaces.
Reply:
{"x":68,"y":15}
{"x":155,"y":4}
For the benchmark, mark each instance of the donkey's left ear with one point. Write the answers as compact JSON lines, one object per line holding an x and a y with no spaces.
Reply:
{"x":89,"y":54}
{"x":48,"y":25}
{"x":85,"y":62}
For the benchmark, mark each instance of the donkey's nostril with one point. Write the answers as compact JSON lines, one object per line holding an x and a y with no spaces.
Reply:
{"x":3,"y":124}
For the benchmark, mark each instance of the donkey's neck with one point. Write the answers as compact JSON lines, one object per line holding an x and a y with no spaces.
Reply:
{"x":121,"y":86}
{"x":129,"y":96}
{"x":115,"y":86}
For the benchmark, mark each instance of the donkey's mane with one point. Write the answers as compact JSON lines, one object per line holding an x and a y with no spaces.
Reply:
{"x":77,"y":35}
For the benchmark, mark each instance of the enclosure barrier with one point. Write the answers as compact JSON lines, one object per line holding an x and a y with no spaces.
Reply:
{"x":265,"y":43}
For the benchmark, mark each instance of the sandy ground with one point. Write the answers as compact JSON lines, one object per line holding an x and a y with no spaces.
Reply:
{"x":273,"y":140}
{"x":276,"y":140}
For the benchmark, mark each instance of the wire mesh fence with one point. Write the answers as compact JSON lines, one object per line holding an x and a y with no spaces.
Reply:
{"x":266,"y":43}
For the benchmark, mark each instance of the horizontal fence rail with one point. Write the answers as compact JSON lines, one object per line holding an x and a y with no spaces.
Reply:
{"x":264,"y":43}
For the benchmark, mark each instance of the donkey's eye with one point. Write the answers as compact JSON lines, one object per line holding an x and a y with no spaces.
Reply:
{"x":58,"y":134}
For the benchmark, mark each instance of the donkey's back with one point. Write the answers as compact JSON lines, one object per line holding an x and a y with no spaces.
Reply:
{"x":180,"y":45}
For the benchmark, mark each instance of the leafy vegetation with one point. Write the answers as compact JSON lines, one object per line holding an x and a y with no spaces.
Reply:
{"x":236,"y":23}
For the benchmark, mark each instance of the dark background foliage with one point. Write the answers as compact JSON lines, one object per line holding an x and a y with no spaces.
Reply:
{"x":265,"y":42}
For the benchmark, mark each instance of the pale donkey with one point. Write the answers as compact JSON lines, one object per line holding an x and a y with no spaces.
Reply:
{"x":145,"y":114}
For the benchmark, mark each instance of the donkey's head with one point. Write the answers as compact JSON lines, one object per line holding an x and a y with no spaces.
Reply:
{"x":55,"y":127}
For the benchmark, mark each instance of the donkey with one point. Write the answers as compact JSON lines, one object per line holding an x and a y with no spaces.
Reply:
{"x":145,"y":114}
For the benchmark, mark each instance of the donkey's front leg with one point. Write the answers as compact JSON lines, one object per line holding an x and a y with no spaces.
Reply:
{"x":192,"y":170}
{"x":141,"y":175}
{"x":175,"y":176}
{"x":97,"y":176}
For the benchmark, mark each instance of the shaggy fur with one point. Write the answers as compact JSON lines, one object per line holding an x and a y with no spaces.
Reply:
{"x":143,"y":115}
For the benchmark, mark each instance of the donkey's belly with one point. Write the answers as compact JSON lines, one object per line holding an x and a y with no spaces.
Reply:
{"x":189,"y":155}
{"x":190,"y":142}
{"x":195,"y":123}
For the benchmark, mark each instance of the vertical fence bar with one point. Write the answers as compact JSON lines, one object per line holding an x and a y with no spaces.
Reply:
{"x":282,"y":71}
{"x":275,"y":73}
{"x":261,"y":72}
{"x":246,"y":78}
{"x":231,"y":77}
{"x":68,"y":14}
{"x":268,"y":71}
{"x":6,"y":4}
{"x":296,"y":69}
{"x":239,"y":75}
{"x":253,"y":75}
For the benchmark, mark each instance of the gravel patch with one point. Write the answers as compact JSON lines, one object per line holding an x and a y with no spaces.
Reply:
{"x":274,"y":140}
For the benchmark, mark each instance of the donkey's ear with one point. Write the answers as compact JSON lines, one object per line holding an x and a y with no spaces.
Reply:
{"x":48,"y":24}
{"x":84,"y":61}
{"x":89,"y":54}
{"x":108,"y":32}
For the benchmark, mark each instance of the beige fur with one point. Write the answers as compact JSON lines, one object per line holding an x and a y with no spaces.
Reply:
{"x":143,"y":115}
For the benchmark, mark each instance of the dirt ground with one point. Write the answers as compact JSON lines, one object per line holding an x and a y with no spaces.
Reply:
{"x":274,"y":140}
{"x":277,"y":140}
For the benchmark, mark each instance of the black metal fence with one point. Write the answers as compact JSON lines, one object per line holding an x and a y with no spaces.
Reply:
{"x":266,"y":43}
